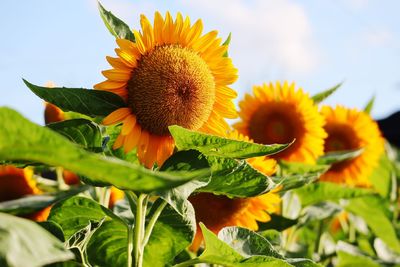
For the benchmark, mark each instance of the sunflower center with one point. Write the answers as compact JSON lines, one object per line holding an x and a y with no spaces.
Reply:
{"x":340,"y":137}
{"x":217,"y":211}
{"x":171,"y":85}
{"x":273,"y":124}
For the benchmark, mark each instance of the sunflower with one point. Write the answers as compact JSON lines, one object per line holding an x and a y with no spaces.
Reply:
{"x":350,"y":129}
{"x":171,"y":74}
{"x":16,"y":183}
{"x":244,"y":212}
{"x":280,"y":114}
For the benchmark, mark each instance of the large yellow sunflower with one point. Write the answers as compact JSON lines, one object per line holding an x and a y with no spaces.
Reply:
{"x":277,"y":113}
{"x":217,"y":212}
{"x":352,"y":129}
{"x":171,"y":74}
{"x":16,"y":183}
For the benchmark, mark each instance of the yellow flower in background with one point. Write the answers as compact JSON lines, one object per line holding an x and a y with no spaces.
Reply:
{"x":277,"y":113}
{"x":217,"y":212}
{"x":16,"y":183}
{"x":171,"y":74}
{"x":350,"y":129}
{"x":52,"y":113}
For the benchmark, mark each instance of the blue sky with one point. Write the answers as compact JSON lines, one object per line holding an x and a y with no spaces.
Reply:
{"x":315,"y":43}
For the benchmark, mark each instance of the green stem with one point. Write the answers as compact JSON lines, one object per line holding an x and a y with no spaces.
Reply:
{"x":130,"y":244}
{"x":318,"y":239}
{"x":188,"y":263}
{"x":139,"y":225}
{"x":152,"y":222}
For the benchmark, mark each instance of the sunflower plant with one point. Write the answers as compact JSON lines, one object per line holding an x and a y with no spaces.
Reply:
{"x":144,"y":170}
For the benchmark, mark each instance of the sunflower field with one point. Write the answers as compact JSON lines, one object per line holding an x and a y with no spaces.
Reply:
{"x":156,"y":166}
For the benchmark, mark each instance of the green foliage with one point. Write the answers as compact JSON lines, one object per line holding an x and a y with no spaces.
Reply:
{"x":32,"y":203}
{"x":382,"y":175}
{"x":89,"y":102}
{"x":211,"y":145}
{"x":323,"y":191}
{"x":236,"y":178}
{"x":24,"y":243}
{"x":241,"y":248}
{"x":318,"y":98}
{"x":116,"y":26}
{"x":23,"y":140}
{"x":374,"y":211}
{"x":80,"y":131}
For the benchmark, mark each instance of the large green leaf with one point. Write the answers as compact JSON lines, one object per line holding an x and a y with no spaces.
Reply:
{"x":76,"y":213}
{"x":372,"y":210}
{"x":236,"y":178}
{"x":24,"y":243}
{"x":33,"y":203}
{"x":116,"y":26}
{"x":349,"y":260}
{"x":112,"y":133}
{"x":108,"y":245}
{"x":80,"y":131}
{"x":89,"y":102}
{"x":172,"y":233}
{"x":24,"y":140}
{"x":247,"y":243}
{"x":318,"y":98}
{"x":318,"y":212}
{"x":323,"y":191}
{"x":211,"y":145}
{"x":277,"y":222}
{"x":294,"y":181}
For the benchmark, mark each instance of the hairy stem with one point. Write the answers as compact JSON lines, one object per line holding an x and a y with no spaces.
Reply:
{"x":152,"y":222}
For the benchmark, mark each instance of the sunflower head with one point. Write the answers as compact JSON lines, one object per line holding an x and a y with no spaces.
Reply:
{"x":352,"y":129}
{"x":217,"y":212}
{"x":16,"y":183}
{"x":278,"y":113}
{"x":172,"y":74}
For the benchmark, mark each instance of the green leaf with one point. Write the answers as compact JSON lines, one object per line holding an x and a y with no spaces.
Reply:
{"x":243,"y":249}
{"x":89,"y":102}
{"x":189,"y":160}
{"x":323,"y":191}
{"x":318,"y":98}
{"x":227,"y":42}
{"x":339,"y":156}
{"x":349,"y":256}
{"x":24,"y":140}
{"x":172,"y":233}
{"x":381,"y":177}
{"x":80,"y":131}
{"x":24,"y":243}
{"x":277,"y":222}
{"x":287,"y":168}
{"x":370,"y":105}
{"x":372,"y":210}
{"x":236,"y":178}
{"x":76,"y":213}
{"x":116,"y":26}
{"x":108,"y":245}
{"x":211,"y":145}
{"x":80,"y":240}
{"x":53,"y":228}
{"x":247,"y":243}
{"x":33,"y":203}
{"x":348,"y":260}
{"x":319,"y":212}
{"x":294,"y":181}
